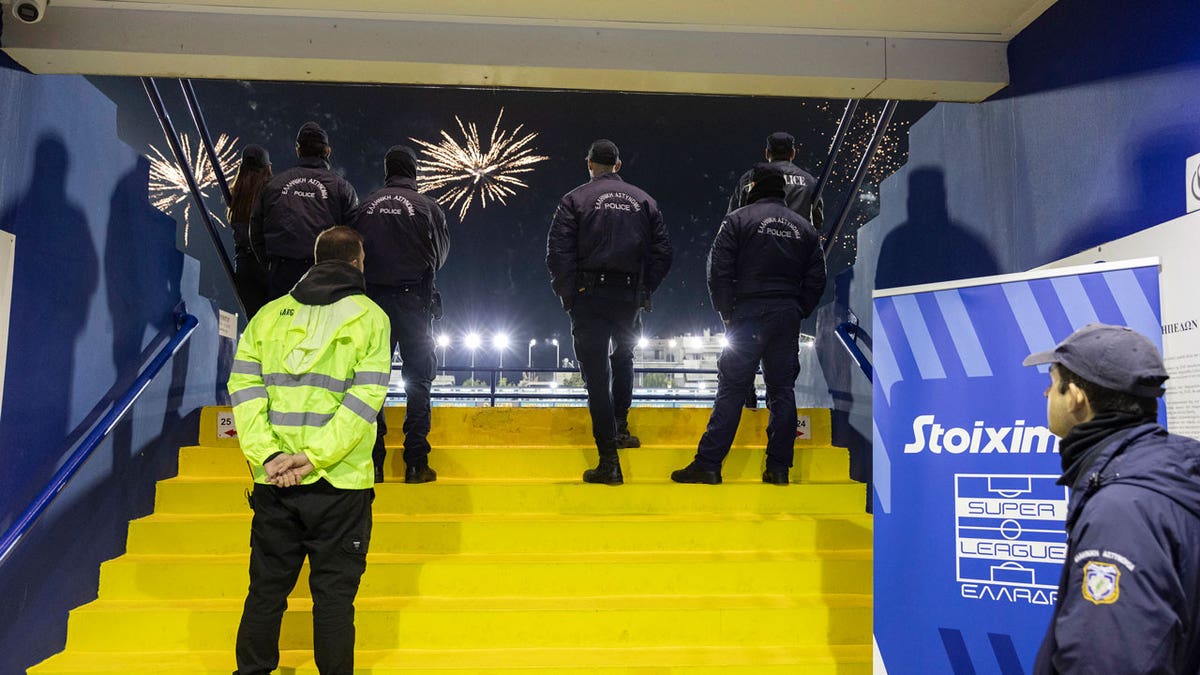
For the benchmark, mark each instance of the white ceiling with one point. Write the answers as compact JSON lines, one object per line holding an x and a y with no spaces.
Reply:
{"x":907,"y":49}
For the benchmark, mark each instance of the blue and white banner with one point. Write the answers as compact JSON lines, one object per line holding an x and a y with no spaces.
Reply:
{"x":969,"y":536}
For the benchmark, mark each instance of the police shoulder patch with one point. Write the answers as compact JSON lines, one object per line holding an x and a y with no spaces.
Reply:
{"x":1101,"y":582}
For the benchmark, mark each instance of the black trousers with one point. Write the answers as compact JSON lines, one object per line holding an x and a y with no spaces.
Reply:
{"x":250,"y":277}
{"x":282,"y":275}
{"x":771,"y":335}
{"x":599,"y":318}
{"x":332,"y":528}
{"x":412,"y":331}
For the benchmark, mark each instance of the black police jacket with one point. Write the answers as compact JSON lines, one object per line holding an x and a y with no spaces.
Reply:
{"x":799,"y":187}
{"x":405,"y":236}
{"x":295,"y":206}
{"x":606,"y":225}
{"x":765,"y":250}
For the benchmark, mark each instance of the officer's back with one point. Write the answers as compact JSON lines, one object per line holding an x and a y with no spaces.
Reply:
{"x":616,"y":222}
{"x":799,"y":186}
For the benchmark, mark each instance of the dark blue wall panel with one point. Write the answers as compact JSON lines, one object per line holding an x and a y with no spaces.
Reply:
{"x":97,"y":276}
{"x":1088,"y":144}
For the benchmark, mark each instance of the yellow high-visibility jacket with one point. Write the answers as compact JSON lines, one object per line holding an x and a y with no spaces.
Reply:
{"x":311,"y":374}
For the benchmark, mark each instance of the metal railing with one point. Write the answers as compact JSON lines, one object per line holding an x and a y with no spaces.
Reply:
{"x":185,"y":326}
{"x":848,"y":333}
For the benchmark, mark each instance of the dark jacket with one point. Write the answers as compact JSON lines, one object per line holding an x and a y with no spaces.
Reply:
{"x":1129,"y":599}
{"x":765,"y":250}
{"x":799,"y":188}
{"x":295,"y":206}
{"x":405,"y":236}
{"x":606,"y":225}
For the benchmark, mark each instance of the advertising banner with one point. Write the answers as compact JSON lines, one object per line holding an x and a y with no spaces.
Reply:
{"x":969,"y":538}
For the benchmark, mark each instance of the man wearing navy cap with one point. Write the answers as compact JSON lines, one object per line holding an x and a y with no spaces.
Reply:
{"x":799,"y":186}
{"x":1129,"y":596}
{"x":404,"y":232}
{"x":294,"y":207}
{"x":766,"y":272}
{"x":607,"y":251}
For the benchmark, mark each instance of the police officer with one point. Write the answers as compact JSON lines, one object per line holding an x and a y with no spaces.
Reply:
{"x":405,"y":234}
{"x":766,"y":272}
{"x":607,"y":251}
{"x":799,"y":187}
{"x":294,"y":207}
{"x":1129,"y":596}
{"x":310,"y":375}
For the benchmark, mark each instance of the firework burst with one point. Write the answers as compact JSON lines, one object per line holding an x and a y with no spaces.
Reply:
{"x":169,"y":187}
{"x":464,"y":171}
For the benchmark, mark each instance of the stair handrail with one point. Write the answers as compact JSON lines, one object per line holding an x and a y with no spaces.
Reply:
{"x":185,"y":325}
{"x":847,"y":333}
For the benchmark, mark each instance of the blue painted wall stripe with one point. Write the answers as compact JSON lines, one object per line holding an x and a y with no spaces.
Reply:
{"x":956,"y":651}
{"x":1131,"y":299}
{"x":1029,"y":318}
{"x":887,"y":369}
{"x":1075,"y":301}
{"x":962,"y":332}
{"x":919,"y":339}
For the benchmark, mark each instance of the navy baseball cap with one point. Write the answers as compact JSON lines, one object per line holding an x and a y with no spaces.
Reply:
{"x":604,"y":151}
{"x":400,"y":160}
{"x":256,"y":155}
{"x":1113,"y":357}
{"x":311,"y":131}
{"x":780,"y":142}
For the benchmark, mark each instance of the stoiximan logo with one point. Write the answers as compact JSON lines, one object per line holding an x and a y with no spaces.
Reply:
{"x":979,"y":439}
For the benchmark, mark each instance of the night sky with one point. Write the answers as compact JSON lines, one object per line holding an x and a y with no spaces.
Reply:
{"x":686,"y":151}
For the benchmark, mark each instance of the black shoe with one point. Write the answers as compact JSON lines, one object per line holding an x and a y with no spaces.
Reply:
{"x":626,"y":439}
{"x":378,"y":474}
{"x":608,"y":472}
{"x":419,"y":474}
{"x":776,"y":477}
{"x":694,"y":474}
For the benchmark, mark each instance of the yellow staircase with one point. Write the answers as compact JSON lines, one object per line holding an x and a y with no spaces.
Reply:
{"x":510,"y":564}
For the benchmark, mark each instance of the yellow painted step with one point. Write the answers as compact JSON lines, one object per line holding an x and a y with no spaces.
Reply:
{"x":482,"y":623}
{"x":538,"y":533}
{"x":821,"y":464}
{"x":737,"y":660}
{"x":515,"y":427}
{"x":181,"y":495}
{"x":167,"y":578}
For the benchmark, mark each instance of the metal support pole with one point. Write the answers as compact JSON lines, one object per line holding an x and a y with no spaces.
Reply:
{"x":885,"y":118}
{"x":838,"y":138}
{"x":189,"y":93}
{"x":164,"y":119}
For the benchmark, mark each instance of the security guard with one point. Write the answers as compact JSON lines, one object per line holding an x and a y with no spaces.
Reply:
{"x":405,"y":234}
{"x":1129,"y":596}
{"x":309,"y":377}
{"x":607,"y":251}
{"x":294,"y":207}
{"x":766,"y":272}
{"x":799,"y":187}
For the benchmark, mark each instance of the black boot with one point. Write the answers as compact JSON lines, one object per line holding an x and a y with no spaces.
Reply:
{"x":608,"y":472}
{"x":626,"y":439}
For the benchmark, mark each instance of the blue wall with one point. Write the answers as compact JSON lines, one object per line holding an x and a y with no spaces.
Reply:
{"x":1087,"y":145}
{"x":97,"y":275}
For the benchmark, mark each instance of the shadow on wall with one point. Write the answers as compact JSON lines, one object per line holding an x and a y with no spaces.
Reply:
{"x":929,"y":246}
{"x":55,"y":277}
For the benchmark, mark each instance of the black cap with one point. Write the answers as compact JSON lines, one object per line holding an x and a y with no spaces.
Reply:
{"x":604,"y":152}
{"x":255,"y":156}
{"x":312,"y":132}
{"x":1113,"y":357}
{"x":780,"y":143}
{"x":400,"y":160}
{"x":766,"y":180}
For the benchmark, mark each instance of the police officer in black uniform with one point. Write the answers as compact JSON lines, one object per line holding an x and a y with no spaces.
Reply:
{"x":766,"y":272}
{"x":799,"y":189}
{"x":405,"y":233}
{"x":294,"y":207}
{"x":607,"y":251}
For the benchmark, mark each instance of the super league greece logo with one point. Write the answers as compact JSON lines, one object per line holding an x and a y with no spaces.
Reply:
{"x":1101,"y":582}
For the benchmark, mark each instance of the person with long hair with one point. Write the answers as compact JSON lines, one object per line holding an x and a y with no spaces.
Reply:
{"x":249,"y":276}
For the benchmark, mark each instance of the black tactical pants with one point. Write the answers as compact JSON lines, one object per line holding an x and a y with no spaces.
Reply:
{"x":282,"y":275}
{"x":332,"y":528}
{"x":772,"y":335}
{"x":412,"y":330}
{"x":598,"y":318}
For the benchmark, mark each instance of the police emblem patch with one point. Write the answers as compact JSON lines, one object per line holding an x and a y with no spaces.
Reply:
{"x":1101,"y":583}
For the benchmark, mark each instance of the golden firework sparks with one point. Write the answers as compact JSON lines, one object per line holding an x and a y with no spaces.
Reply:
{"x":463,"y":171}
{"x":168,"y":185}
